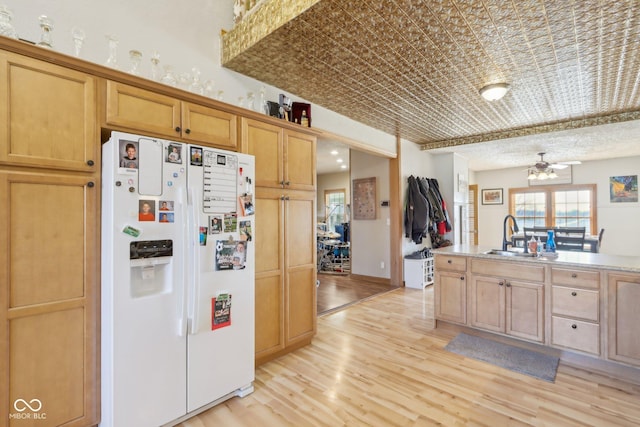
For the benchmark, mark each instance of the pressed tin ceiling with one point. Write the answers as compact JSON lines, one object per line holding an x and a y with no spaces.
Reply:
{"x":414,"y":68}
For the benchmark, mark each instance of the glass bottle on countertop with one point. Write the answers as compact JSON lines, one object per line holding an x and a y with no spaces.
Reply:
{"x":551,"y":242}
{"x":539,"y":244}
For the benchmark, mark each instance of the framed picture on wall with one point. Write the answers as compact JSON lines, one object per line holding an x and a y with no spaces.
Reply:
{"x":364,"y":198}
{"x":492,"y":196}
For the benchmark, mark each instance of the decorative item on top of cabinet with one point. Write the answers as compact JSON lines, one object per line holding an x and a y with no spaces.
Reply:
{"x":47,"y":115}
{"x":142,"y":111}
{"x":623,"y":318}
{"x":450,"y":289}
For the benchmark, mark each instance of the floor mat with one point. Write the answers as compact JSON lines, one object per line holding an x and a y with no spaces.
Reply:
{"x":517,"y":359}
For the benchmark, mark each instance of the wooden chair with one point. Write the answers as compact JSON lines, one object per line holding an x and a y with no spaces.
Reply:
{"x":570,"y":238}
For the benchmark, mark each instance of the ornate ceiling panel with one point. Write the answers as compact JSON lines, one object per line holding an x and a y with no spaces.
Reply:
{"x":414,"y":68}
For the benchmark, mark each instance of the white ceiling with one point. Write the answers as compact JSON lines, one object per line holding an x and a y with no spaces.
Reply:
{"x":584,"y":144}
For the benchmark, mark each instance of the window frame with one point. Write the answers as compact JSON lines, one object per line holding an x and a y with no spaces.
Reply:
{"x":327,"y":193}
{"x":549,"y":190}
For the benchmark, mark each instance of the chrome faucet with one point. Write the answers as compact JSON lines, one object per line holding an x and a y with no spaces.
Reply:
{"x":506,"y":242}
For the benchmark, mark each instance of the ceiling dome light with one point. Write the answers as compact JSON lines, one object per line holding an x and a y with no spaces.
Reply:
{"x":495,"y":91}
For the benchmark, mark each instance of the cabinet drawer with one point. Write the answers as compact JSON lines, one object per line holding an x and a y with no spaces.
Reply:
{"x":572,"y":277}
{"x":453,"y":263}
{"x":575,"y":303}
{"x":511,"y":270}
{"x":575,"y":334}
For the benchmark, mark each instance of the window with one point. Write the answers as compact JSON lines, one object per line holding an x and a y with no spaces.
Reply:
{"x":334,"y":203}
{"x":555,"y":206}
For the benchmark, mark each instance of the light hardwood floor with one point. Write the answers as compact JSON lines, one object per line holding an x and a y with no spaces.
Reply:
{"x":381,"y":363}
{"x":338,"y":291}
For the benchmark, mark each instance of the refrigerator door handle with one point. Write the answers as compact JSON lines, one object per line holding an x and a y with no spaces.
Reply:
{"x":182,"y":292}
{"x":194,"y":288}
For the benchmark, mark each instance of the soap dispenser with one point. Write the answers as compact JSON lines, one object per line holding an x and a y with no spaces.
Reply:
{"x":551,"y":243}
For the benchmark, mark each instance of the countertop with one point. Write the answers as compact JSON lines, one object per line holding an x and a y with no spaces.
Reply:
{"x":569,"y":259}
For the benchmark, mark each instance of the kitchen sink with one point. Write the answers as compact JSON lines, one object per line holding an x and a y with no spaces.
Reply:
{"x":509,"y":253}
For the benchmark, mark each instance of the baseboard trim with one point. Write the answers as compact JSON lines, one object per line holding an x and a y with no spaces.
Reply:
{"x":380,"y":280}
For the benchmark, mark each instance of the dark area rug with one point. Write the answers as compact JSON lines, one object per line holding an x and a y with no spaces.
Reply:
{"x":517,"y":359}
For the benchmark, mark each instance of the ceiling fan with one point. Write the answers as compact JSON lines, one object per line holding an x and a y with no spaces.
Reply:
{"x":545,"y":170}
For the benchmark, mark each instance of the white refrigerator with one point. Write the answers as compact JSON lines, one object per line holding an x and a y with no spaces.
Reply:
{"x":177,"y":322}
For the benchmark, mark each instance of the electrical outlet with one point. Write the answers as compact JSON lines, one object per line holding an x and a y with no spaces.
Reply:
{"x":382,"y":265}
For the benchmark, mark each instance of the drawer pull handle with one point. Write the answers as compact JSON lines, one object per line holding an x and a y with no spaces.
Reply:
{"x":461,"y":277}
{"x":178,"y":129}
{"x":573,"y":294}
{"x":501,"y":283}
{"x":508,"y":284}
{"x":449,"y":261}
{"x":574,"y":326}
{"x":574,"y":275}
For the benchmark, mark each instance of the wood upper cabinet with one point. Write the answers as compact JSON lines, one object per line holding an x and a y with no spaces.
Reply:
{"x":49,"y":270}
{"x":47,"y":115}
{"x":284,"y":159}
{"x":500,"y":302}
{"x":623,"y":318}
{"x":139,"y":111}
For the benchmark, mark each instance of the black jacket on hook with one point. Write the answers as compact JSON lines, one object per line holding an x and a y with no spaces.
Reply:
{"x":416,"y":215}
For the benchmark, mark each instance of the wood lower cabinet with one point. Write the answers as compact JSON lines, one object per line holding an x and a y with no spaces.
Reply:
{"x":138,"y":110}
{"x":284,"y":159}
{"x":623,"y":318}
{"x":575,"y":309}
{"x":506,"y":303}
{"x":285,"y":272}
{"x":451,"y":289}
{"x":48,"y":299}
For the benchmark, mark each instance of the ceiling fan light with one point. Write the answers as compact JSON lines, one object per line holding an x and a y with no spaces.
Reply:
{"x":495,"y":91}
{"x":552,"y":174}
{"x":532,"y":175}
{"x":543,"y":175}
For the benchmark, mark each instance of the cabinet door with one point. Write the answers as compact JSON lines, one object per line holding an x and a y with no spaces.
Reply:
{"x":300,"y":261}
{"x":47,"y":115}
{"x":451,"y":296}
{"x":269,"y":241}
{"x":206,"y":125}
{"x":624,"y":318}
{"x":299,"y":161}
{"x":141,"y":111}
{"x":264,"y":141}
{"x":487,"y":303}
{"x":525,"y":310}
{"x":48,"y":295}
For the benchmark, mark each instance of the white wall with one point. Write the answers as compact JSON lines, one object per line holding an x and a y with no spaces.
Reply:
{"x":370,"y":240}
{"x":417,"y":163}
{"x":186,"y":34}
{"x":620,"y":220}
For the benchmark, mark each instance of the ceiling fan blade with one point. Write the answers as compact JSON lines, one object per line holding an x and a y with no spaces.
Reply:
{"x":559,"y":166}
{"x":571,"y":162}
